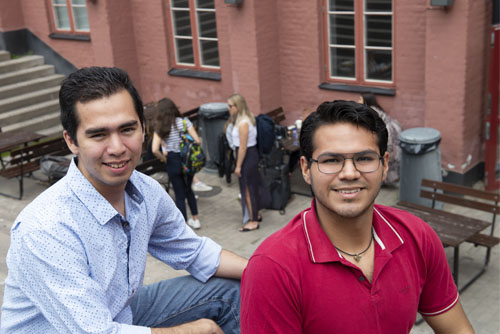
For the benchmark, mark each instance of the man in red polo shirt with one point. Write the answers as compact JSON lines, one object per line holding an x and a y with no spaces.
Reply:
{"x":346,"y":265}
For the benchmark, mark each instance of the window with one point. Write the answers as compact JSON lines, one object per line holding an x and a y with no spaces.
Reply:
{"x":360,"y":44}
{"x":195,"y":33}
{"x":70,"y":16}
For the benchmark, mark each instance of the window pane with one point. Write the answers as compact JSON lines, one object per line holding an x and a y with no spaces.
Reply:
{"x":209,"y":53}
{"x":378,"y":5}
{"x":205,"y":4}
{"x":59,"y":2}
{"x":342,"y":29}
{"x":379,"y":65}
{"x":341,"y":5}
{"x":379,"y":30}
{"x":180,"y":3}
{"x":78,"y":2}
{"x":342,"y":62}
{"x":184,"y":51}
{"x":62,"y":18}
{"x":207,"y":26}
{"x":182,"y":23}
{"x":81,"y":19}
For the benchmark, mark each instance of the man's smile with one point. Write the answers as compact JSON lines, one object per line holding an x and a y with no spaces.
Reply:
{"x":116,"y":164}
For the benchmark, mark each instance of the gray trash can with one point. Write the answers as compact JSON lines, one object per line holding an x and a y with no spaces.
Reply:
{"x":421,"y":159}
{"x":213,"y":116}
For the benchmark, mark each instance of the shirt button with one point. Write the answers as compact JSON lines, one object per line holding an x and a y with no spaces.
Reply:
{"x":361,"y":278}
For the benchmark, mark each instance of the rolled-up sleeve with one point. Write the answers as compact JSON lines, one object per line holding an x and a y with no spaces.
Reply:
{"x":176,"y":244}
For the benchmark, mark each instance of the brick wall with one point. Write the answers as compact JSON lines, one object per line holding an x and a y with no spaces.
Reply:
{"x":273,"y":53}
{"x":11,"y":15}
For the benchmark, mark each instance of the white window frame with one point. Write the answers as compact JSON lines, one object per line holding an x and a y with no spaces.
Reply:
{"x":195,"y":37}
{"x":71,"y":15}
{"x":360,"y":48}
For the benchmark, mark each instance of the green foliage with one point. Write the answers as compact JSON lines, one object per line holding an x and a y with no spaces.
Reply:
{"x":16,"y":56}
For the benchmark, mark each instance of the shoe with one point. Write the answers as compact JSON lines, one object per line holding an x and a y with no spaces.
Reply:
{"x":246,"y":229}
{"x":200,"y":186}
{"x":195,"y":224}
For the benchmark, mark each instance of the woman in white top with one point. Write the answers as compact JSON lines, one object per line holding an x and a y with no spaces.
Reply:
{"x":244,"y":137}
{"x":168,"y":127}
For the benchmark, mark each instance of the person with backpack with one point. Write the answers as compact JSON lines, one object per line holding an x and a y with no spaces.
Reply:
{"x":168,"y":130}
{"x":394,"y":129}
{"x":244,"y":138}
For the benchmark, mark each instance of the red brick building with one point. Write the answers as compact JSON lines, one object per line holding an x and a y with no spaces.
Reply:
{"x":427,"y":64}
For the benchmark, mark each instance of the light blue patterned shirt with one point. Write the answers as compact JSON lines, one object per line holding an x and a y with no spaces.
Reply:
{"x":69,"y":271}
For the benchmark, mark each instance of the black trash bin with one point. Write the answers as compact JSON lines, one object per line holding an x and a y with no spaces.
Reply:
{"x":213,"y":116}
{"x":420,"y":159}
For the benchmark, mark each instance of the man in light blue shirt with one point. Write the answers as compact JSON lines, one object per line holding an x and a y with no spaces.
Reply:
{"x":78,"y":252}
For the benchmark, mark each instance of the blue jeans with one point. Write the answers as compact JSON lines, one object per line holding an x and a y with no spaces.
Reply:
{"x":184,"y":299}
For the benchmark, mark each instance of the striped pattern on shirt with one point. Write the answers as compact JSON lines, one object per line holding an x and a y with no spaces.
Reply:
{"x":173,"y":142}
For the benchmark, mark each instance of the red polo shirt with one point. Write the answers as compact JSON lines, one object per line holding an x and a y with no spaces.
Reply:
{"x":297,"y":282}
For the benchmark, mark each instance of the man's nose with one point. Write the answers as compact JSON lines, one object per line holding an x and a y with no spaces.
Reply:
{"x":349,"y":170}
{"x":116,"y":145}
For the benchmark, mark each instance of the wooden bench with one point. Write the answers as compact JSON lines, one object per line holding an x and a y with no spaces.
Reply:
{"x":278,"y":115}
{"x":192,"y":115}
{"x":465,"y":197}
{"x":24,"y":161}
{"x":154,"y":166}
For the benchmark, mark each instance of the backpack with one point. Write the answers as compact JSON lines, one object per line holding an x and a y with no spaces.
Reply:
{"x":265,"y":134}
{"x":192,"y":157}
{"x":55,"y":167}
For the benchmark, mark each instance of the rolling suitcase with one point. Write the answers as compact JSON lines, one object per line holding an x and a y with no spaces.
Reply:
{"x":275,"y":157}
{"x":276,"y":179}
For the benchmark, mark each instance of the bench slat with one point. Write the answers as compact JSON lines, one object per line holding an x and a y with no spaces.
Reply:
{"x":462,"y":190}
{"x":192,"y":114}
{"x":151,"y":166}
{"x":15,"y":171}
{"x":275,"y":112}
{"x":460,"y":201}
{"x":278,"y":115}
{"x":484,"y":240}
{"x":448,"y":225}
{"x":279,"y":119}
{"x":55,"y":147}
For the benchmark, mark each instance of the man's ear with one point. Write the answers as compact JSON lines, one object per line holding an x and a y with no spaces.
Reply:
{"x":386,"y":165}
{"x":306,"y":170}
{"x":70,"y":142}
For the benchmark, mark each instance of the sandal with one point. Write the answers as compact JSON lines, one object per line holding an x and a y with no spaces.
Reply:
{"x":246,"y":229}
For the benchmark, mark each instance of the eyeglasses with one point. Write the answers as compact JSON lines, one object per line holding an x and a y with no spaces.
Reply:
{"x":364,"y":162}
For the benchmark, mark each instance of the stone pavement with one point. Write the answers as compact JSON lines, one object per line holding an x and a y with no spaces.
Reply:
{"x":220,"y":217}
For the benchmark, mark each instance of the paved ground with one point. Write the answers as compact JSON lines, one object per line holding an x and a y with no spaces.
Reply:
{"x":220,"y":216}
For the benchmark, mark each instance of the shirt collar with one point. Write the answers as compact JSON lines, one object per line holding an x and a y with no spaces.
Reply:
{"x":320,"y":248}
{"x":100,"y":208}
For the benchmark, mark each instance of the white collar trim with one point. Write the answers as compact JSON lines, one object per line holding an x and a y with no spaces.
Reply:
{"x":392,"y":228}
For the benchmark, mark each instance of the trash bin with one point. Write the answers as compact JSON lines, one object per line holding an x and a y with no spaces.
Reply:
{"x":421,"y":159}
{"x":213,"y":117}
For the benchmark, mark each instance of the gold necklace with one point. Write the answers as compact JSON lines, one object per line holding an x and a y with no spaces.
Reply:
{"x":356,"y":256}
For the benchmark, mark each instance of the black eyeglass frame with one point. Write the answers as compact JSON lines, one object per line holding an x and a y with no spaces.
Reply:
{"x":380,"y":158}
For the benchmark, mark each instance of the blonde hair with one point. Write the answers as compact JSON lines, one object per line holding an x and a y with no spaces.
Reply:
{"x":243,"y":111}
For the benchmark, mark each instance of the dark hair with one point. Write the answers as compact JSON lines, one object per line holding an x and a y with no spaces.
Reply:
{"x":342,"y":112}
{"x":93,"y":83}
{"x":370,"y":100}
{"x":165,"y":114}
